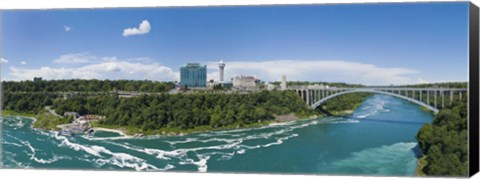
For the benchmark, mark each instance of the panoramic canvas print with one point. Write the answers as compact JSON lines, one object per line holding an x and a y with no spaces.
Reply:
{"x":332,"y":89}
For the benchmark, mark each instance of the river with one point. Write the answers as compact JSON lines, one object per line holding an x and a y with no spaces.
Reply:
{"x":377,"y":139}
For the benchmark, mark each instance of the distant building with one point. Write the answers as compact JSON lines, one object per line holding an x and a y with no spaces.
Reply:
{"x":242,"y":82}
{"x":271,"y":86}
{"x":91,"y":117}
{"x":223,"y":84}
{"x":37,"y":78}
{"x":74,"y":114}
{"x":221,"y":65}
{"x":193,"y":75}
{"x":211,"y":84}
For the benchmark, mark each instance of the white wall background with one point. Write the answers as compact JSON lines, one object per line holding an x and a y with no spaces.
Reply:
{"x":49,"y":4}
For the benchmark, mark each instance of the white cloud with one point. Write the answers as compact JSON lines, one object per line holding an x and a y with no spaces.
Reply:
{"x":2,"y":60}
{"x":75,"y":58}
{"x":23,"y":63}
{"x":67,"y":28}
{"x":143,"y":28}
{"x":100,"y":69}
{"x":318,"y":70}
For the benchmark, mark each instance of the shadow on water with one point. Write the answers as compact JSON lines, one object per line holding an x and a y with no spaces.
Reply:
{"x":416,"y":150}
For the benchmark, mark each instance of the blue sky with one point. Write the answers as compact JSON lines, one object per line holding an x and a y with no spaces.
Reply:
{"x":377,"y":44}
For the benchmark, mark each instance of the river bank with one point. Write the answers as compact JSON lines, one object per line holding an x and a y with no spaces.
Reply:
{"x":13,"y":113}
{"x":421,"y":164}
{"x":51,"y":123}
{"x":119,"y":132}
{"x":133,"y":131}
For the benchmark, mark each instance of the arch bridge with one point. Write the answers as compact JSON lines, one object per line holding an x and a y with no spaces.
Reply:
{"x":433,"y":99}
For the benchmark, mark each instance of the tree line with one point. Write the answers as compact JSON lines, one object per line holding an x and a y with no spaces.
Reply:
{"x":444,"y":143}
{"x":344,"y":104}
{"x":26,"y":102}
{"x":80,"y":85}
{"x":151,"y":112}
{"x":439,"y":85}
{"x":306,"y":83}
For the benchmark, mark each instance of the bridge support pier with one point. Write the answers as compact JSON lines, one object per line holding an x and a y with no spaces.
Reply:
{"x":451,"y":97}
{"x":421,"y":100}
{"x":435,"y":98}
{"x":312,"y":96}
{"x":304,"y":95}
{"x":428,"y":97}
{"x":308,"y":97}
{"x":443,"y":98}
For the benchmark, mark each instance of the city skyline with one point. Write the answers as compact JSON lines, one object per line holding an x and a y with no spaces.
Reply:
{"x":356,"y":43}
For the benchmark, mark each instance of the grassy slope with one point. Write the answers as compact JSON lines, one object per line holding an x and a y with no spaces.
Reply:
{"x":13,"y":113}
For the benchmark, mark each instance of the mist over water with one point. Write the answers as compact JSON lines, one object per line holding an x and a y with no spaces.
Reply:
{"x":378,"y":139}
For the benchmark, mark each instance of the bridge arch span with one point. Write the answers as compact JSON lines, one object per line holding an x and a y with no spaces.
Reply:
{"x":323,"y":100}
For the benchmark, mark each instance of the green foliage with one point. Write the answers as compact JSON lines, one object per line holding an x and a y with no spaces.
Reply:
{"x":344,"y":104}
{"x":13,"y":113}
{"x":444,"y":142}
{"x":32,"y":97}
{"x":26,"y":102}
{"x":48,"y":121}
{"x":422,"y":162}
{"x":87,"y":86}
{"x":185,"y":112}
{"x":440,"y":85}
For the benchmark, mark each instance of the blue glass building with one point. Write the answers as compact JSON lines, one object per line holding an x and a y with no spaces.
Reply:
{"x":193,"y":75}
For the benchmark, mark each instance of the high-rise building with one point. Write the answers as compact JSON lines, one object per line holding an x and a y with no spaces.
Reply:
{"x":193,"y":75}
{"x":221,"y":65}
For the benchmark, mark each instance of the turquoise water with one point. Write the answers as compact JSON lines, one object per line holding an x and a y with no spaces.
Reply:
{"x":378,"y":139}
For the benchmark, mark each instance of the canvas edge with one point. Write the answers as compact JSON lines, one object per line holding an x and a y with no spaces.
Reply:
{"x":473,"y":102}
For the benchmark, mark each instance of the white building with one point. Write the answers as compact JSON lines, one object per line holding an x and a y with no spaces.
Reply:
{"x":243,"y":82}
{"x":271,"y":86}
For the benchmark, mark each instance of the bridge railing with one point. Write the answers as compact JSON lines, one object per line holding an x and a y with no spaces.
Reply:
{"x":376,"y":88}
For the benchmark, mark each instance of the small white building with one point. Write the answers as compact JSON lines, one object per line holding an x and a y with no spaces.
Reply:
{"x":224,"y":84}
{"x":210,"y":84}
{"x":271,"y":86}
{"x":74,"y":114}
